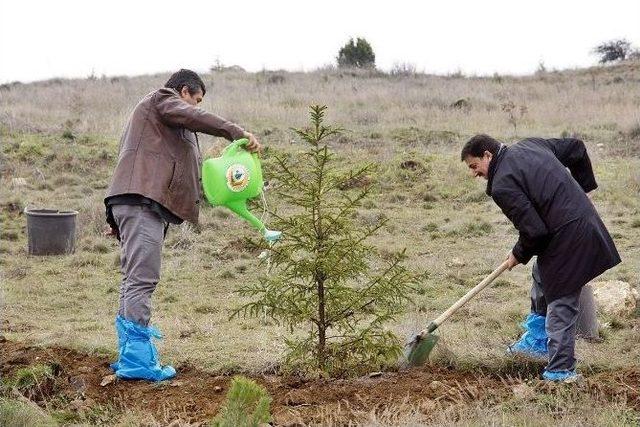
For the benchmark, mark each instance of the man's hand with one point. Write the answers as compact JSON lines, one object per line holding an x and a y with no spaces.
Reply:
{"x":109,"y":232}
{"x":253,"y":145}
{"x":512,"y":261}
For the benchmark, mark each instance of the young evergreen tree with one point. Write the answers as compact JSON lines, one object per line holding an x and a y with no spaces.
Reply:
{"x":247,"y":405}
{"x":326,"y":282}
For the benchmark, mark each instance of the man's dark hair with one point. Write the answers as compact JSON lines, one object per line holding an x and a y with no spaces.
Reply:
{"x":476,"y":146}
{"x":187,"y":78}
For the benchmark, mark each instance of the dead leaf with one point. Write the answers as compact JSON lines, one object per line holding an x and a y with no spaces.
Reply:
{"x":107,"y":380}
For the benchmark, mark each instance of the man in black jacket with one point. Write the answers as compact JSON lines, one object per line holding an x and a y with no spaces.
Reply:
{"x":552,"y":211}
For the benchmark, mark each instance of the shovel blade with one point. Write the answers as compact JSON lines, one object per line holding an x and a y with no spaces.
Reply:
{"x":418,"y":350}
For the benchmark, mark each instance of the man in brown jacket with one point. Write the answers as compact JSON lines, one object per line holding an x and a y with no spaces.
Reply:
{"x":156,"y":183}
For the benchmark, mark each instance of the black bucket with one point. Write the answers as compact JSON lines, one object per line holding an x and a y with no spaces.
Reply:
{"x":51,"y":232}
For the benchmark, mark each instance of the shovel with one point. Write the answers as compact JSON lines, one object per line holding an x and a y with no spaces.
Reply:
{"x":418,"y":349}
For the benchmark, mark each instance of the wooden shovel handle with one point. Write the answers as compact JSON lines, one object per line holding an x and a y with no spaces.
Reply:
{"x":473,"y":292}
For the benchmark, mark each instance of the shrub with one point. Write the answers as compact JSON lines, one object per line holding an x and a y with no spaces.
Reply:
{"x":403,"y":69}
{"x":68,"y":134}
{"x":462,"y":104}
{"x":357,"y":55}
{"x":514,"y":113}
{"x":247,"y":405}
{"x":276,"y":78}
{"x":613,"y":50}
{"x":634,"y":131}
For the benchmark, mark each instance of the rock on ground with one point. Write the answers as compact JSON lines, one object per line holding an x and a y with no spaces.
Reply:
{"x":615,"y":297}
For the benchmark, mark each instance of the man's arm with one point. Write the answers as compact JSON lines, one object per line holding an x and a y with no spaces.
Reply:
{"x":533,"y":231}
{"x":572,"y":153}
{"x":173,"y":111}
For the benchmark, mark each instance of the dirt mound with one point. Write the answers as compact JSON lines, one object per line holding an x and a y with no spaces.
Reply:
{"x":196,"y":396}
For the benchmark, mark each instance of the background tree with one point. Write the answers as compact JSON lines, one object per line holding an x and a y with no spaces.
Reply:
{"x":613,"y":50}
{"x":326,"y":283}
{"x":357,"y":55}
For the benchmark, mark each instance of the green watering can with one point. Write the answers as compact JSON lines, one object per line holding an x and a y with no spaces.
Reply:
{"x":233,"y":178}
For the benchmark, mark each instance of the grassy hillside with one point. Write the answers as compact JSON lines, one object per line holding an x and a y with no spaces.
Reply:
{"x":58,"y":146}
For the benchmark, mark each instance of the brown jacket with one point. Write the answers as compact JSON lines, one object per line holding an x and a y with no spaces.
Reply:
{"x":159,"y":154}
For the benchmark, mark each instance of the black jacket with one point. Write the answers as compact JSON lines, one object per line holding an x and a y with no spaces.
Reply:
{"x":556,"y":220}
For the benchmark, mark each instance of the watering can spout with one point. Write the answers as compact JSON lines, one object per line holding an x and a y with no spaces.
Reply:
{"x":239,"y":207}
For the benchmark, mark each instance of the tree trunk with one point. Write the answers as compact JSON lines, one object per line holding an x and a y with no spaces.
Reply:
{"x":322,"y":327}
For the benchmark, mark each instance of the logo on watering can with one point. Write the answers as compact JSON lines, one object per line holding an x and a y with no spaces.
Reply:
{"x":237,"y":178}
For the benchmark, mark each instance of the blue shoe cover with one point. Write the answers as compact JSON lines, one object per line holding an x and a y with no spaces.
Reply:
{"x":533,"y":343}
{"x":121,"y":338}
{"x":564,"y":376}
{"x":138,"y":355}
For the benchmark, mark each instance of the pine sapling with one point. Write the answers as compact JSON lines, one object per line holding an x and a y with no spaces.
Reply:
{"x":326,"y":282}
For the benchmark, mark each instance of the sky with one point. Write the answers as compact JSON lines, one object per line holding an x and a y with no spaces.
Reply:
{"x":42,"y":39}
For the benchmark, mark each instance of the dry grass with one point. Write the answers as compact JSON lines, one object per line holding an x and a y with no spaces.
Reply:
{"x":450,"y":229}
{"x":540,"y":410}
{"x":599,"y":102}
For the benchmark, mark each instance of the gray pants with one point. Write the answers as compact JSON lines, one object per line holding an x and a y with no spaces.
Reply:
{"x":587,"y":327}
{"x":141,"y":238}
{"x":561,"y":320}
{"x":562,"y":317}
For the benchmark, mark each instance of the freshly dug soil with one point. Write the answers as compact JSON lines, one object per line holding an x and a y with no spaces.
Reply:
{"x":195,"y":396}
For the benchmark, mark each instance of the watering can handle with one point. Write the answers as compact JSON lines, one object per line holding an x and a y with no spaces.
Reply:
{"x":233,"y":148}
